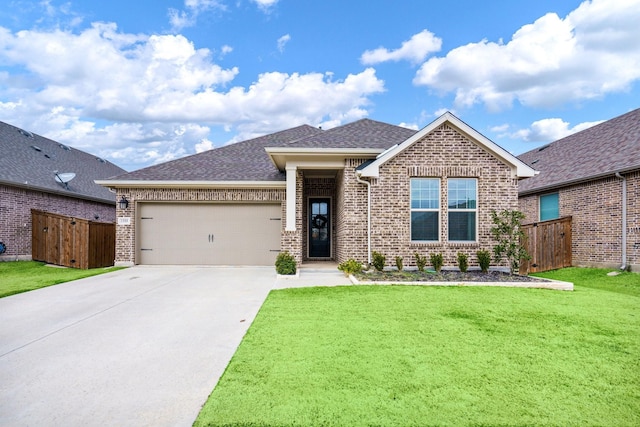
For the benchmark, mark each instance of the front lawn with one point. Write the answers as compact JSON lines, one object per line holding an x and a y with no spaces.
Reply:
{"x":23,"y":276}
{"x":413,"y":355}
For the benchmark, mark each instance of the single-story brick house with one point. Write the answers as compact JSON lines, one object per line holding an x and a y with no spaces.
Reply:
{"x":33,"y":173}
{"x":594,"y":177}
{"x":321,"y":195}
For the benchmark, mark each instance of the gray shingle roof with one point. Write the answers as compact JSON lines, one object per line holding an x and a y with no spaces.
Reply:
{"x":364,"y":133}
{"x":612,"y":146}
{"x":28,"y":160}
{"x":242,"y":161}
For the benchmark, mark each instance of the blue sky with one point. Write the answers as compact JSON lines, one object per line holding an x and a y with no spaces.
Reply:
{"x":146,"y":81}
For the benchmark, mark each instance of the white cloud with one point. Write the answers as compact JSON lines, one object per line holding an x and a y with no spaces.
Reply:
{"x":136,"y":99}
{"x":265,"y":5}
{"x":591,"y":52}
{"x":547,"y":130}
{"x":180,"y":19}
{"x":282,"y":41}
{"x":413,"y":126}
{"x":414,"y":50}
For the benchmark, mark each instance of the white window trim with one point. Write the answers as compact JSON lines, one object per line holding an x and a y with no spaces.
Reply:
{"x":438,"y":210}
{"x":475,"y":211}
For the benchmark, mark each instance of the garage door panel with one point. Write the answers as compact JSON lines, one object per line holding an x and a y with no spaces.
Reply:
{"x":209,"y":234}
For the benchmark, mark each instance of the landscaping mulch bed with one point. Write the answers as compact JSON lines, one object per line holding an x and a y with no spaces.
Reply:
{"x":443,"y":276}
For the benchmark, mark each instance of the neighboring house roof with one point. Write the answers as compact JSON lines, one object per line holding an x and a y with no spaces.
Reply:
{"x":602,"y":150}
{"x":519,"y":168}
{"x":245,"y":161}
{"x":30,"y":161}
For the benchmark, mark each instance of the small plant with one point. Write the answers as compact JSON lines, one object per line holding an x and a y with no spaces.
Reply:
{"x":285,"y":263}
{"x":399,"y":263}
{"x":484,"y":260}
{"x":507,"y":231}
{"x":350,"y":266}
{"x":378,"y":260}
{"x":463,"y":262}
{"x":421,"y":261}
{"x":436,"y":262}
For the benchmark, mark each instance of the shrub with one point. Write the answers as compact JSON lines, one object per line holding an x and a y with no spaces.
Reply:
{"x":463,"y":262}
{"x":421,"y":261}
{"x":350,"y":266}
{"x":509,"y":235}
{"x":484,"y":259}
{"x":378,"y":260}
{"x":285,"y":263}
{"x":399,"y":263}
{"x":436,"y":262}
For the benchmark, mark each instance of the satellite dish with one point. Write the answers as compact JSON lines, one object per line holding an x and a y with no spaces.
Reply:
{"x":64,"y":178}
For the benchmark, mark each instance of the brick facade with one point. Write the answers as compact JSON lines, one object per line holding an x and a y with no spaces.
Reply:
{"x":15,"y":216}
{"x":443,"y":153}
{"x":596,"y":211}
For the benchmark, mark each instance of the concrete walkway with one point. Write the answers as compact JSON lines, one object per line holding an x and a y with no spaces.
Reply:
{"x":143,"y":346}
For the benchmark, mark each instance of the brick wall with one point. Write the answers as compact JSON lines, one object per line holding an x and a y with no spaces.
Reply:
{"x":444,"y":153}
{"x":596,"y":211}
{"x":126,"y":234}
{"x":15,"y":216}
{"x":351,"y":214}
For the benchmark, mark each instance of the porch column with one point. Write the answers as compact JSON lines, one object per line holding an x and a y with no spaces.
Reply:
{"x":291,"y":198}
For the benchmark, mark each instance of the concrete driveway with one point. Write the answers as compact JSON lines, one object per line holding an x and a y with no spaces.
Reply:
{"x":137,"y":347}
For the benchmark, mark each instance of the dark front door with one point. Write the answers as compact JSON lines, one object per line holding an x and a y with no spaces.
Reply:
{"x":319,"y":228}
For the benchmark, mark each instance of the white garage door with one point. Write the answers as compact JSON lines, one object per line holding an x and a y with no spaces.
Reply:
{"x":208,"y":234}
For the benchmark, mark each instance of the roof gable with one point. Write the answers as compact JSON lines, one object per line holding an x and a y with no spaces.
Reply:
{"x":30,"y":161}
{"x":601,"y":150}
{"x":519,"y":168}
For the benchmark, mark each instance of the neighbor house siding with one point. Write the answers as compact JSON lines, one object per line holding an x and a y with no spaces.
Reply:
{"x":126,"y":234}
{"x":15,"y":215}
{"x":596,"y":228}
{"x":444,"y":153}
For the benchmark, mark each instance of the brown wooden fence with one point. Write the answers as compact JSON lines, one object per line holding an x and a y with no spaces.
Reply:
{"x":72,"y":242}
{"x":549,"y":244}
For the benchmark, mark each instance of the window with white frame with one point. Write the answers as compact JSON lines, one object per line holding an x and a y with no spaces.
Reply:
{"x":462,"y":202}
{"x":425,"y":209}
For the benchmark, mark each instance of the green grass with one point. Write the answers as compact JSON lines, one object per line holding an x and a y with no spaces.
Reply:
{"x":23,"y":276}
{"x":411,"y":355}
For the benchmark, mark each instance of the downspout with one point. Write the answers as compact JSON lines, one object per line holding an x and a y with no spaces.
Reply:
{"x":368,"y":184}
{"x":624,"y":220}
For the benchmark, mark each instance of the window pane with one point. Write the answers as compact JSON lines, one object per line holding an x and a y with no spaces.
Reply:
{"x":424,"y":226}
{"x":462,"y":193}
{"x":425,"y":193}
{"x":462,"y":226}
{"x":549,"y":207}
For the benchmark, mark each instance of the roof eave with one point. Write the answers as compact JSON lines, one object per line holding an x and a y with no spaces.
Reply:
{"x":519,"y":168}
{"x":558,"y":185}
{"x":190,"y":184}
{"x":64,"y":193}
{"x":281,"y":155}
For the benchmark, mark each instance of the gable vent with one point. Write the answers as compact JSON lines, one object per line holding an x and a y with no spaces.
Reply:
{"x":25,"y":133}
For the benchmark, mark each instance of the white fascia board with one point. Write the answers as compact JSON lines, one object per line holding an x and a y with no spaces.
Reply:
{"x":283,"y":156}
{"x":519,"y":168}
{"x":190,"y":184}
